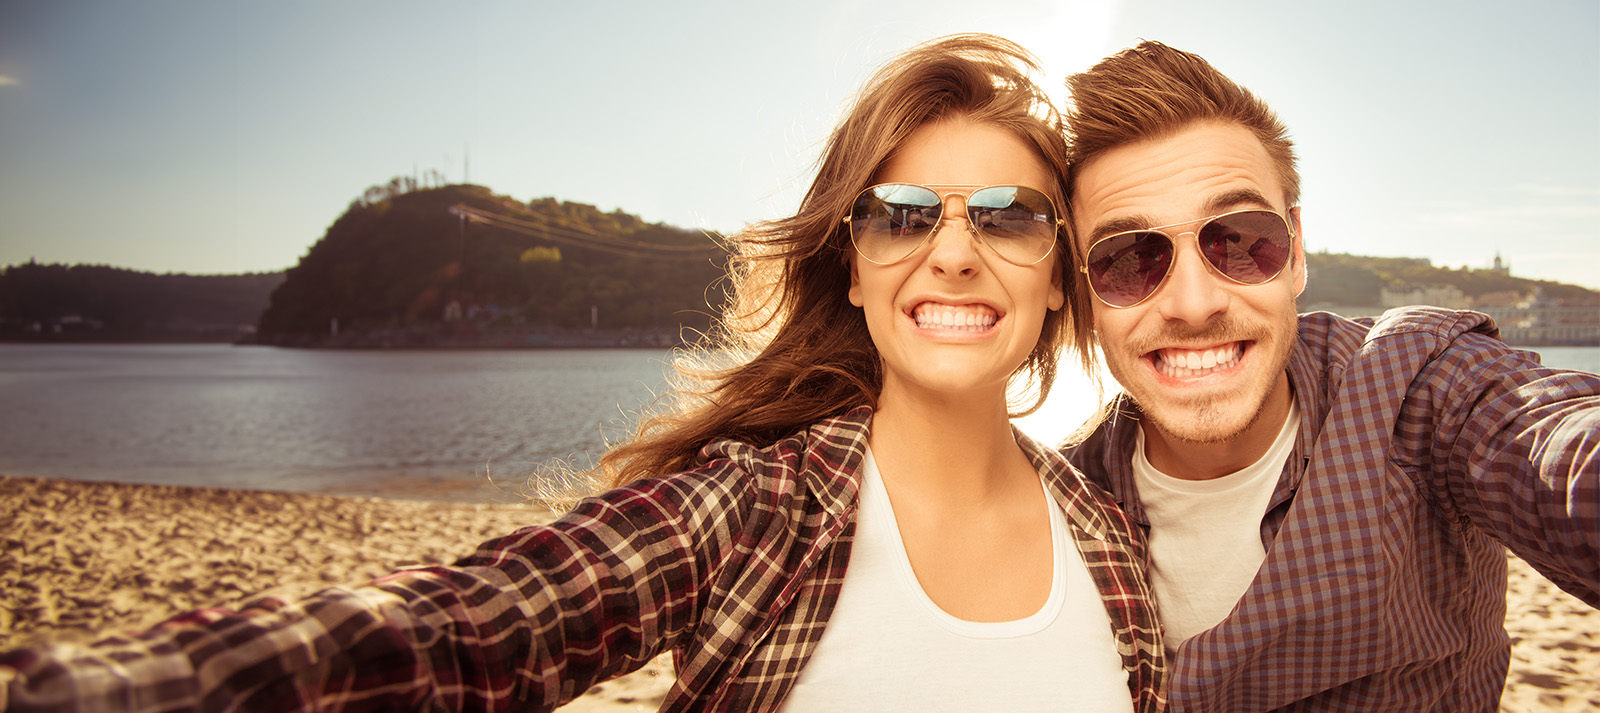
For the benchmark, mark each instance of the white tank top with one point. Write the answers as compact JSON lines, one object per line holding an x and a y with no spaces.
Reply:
{"x":888,"y":647}
{"x":1205,"y":535}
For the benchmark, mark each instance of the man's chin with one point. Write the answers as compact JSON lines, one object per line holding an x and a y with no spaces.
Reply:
{"x":1202,"y":426}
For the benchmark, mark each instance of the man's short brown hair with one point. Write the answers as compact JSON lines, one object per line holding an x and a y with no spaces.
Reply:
{"x":1151,"y":91}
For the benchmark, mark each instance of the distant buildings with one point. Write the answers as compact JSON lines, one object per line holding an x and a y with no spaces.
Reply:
{"x":1534,"y":320}
{"x":1525,"y":318}
{"x":1501,"y":267}
{"x":1447,"y":296}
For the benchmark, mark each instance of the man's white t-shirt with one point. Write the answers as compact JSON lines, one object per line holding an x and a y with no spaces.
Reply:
{"x":1205,"y":535}
{"x":888,"y":647}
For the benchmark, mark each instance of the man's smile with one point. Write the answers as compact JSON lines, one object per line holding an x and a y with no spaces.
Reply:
{"x":1178,"y":363}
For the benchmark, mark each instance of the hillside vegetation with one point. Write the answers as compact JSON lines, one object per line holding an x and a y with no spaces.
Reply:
{"x":1342,"y":279}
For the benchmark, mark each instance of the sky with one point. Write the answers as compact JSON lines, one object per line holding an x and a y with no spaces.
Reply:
{"x":210,"y":137}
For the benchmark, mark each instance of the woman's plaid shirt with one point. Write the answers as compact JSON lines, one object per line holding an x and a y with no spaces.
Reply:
{"x":734,"y":567}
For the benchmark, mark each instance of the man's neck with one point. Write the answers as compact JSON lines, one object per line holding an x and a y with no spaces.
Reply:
{"x":1191,"y":460}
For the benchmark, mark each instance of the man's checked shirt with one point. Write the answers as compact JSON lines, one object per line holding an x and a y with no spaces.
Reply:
{"x":1426,"y":447}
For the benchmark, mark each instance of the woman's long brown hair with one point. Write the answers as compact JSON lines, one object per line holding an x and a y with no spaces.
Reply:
{"x":790,"y":349}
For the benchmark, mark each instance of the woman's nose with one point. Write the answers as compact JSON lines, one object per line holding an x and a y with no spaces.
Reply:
{"x":955,"y":246}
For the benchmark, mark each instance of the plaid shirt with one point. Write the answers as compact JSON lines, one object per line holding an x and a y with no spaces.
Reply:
{"x":1425,"y":445}
{"x":734,"y":567}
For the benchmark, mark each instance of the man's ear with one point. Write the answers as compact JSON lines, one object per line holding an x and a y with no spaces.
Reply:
{"x":1299,"y":250}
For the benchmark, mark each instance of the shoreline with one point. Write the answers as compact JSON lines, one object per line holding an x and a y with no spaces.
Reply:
{"x":86,"y":559}
{"x":460,"y":336}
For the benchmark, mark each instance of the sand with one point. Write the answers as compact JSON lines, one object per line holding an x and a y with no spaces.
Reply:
{"x":77,"y":559}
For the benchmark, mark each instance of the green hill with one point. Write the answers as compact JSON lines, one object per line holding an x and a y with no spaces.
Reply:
{"x":98,"y":303}
{"x":1341,"y":279}
{"x":460,"y":265}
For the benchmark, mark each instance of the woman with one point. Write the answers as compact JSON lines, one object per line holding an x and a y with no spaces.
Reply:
{"x":845,"y":520}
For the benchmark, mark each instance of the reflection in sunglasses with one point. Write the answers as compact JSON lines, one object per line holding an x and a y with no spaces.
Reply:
{"x":889,"y":222}
{"x":1249,"y":247}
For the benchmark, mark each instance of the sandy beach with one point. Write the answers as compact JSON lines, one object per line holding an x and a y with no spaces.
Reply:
{"x":79,"y":559}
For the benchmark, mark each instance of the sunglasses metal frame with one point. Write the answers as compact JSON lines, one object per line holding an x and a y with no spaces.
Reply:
{"x":1173,"y":239}
{"x":966,"y":205}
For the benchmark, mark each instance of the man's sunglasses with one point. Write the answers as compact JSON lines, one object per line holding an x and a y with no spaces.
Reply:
{"x":890,"y":221}
{"x":1249,"y":247}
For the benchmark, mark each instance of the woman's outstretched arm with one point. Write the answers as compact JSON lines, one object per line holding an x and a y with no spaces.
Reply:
{"x":529,"y":621}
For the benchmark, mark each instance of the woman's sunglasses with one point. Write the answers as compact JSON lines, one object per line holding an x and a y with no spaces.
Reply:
{"x":1249,"y":247}
{"x":890,"y":221}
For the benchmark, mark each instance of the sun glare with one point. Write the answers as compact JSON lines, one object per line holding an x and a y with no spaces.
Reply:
{"x":1069,"y":37}
{"x":1075,"y":397}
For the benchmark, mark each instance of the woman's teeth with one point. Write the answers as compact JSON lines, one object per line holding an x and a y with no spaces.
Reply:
{"x":971,"y":318}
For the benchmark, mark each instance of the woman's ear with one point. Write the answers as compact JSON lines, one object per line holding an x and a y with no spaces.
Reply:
{"x":1058,"y":294}
{"x":855,"y":282}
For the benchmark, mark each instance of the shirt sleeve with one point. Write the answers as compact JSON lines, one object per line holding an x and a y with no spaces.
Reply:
{"x":527,"y":622}
{"x":1517,"y":448}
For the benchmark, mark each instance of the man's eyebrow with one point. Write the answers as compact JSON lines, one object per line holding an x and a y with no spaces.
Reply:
{"x":1216,"y":205}
{"x":1232,"y":200}
{"x":1118,"y":225}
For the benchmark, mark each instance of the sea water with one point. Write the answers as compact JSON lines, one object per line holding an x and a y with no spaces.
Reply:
{"x":448,"y":425}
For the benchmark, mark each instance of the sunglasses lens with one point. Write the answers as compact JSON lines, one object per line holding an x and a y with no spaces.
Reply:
{"x":1250,"y":247}
{"x":889,"y":221}
{"x":1125,"y":268}
{"x":1017,"y":221}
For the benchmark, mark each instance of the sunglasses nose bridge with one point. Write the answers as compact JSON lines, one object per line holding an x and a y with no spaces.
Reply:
{"x":1207,"y":261}
{"x":950,"y":212}
{"x":1178,"y":245}
{"x":953,"y":213}
{"x":950,"y":208}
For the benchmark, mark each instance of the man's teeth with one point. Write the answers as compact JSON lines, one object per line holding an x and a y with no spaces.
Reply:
{"x":1180,"y":363}
{"x":971,"y":318}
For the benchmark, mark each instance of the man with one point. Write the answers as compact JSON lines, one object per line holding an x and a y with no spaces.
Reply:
{"x":1327,"y":500}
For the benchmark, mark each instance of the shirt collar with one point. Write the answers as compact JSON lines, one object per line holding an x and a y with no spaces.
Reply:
{"x":1066,"y":485}
{"x":835,"y":457}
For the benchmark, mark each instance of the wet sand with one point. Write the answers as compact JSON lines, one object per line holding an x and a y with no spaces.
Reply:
{"x":77,"y":559}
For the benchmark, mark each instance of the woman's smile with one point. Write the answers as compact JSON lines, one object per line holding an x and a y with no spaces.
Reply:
{"x":973,"y":318}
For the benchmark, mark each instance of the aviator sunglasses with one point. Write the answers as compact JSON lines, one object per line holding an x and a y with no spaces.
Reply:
{"x":1249,"y":247}
{"x":890,"y":221}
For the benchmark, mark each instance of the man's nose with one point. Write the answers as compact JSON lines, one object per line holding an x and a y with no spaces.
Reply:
{"x":1192,"y":293}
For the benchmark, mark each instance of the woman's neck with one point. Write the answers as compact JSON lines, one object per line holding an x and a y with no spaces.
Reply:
{"x":955,"y":449}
